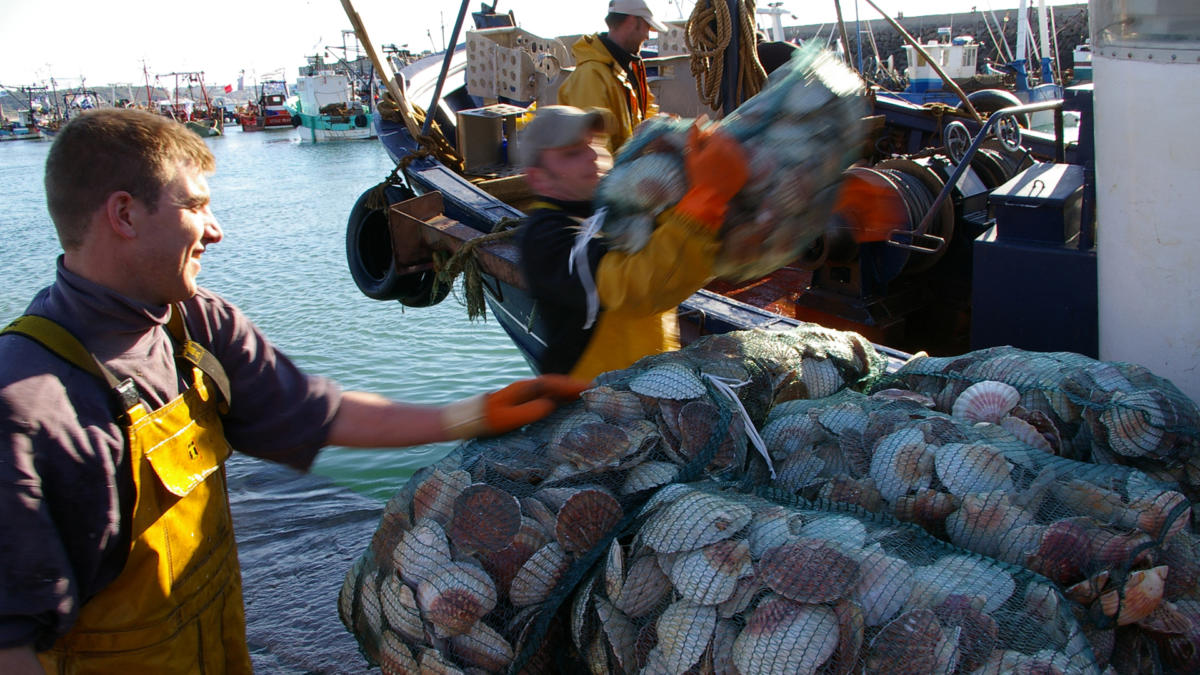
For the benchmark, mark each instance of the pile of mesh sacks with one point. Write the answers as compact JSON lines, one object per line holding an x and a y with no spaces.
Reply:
{"x":774,"y":502}
{"x":799,"y":134}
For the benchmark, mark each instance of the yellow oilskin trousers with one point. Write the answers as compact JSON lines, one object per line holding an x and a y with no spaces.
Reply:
{"x":177,"y":605}
{"x":639,"y":293}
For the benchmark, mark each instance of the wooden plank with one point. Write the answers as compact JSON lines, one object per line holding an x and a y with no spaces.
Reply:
{"x":418,"y":229}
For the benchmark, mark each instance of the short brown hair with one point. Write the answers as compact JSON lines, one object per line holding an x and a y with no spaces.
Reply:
{"x":113,"y":149}
{"x":615,"y":19}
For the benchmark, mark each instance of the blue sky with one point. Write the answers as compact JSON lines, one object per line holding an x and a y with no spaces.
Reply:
{"x":109,"y":41}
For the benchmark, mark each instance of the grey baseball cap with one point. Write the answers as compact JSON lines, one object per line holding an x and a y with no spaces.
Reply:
{"x":637,"y":8}
{"x":557,"y":126}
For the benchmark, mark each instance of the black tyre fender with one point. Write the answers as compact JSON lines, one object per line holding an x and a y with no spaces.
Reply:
{"x":369,"y":256}
{"x":296,"y":120}
{"x":360,"y":120}
{"x":990,"y":100}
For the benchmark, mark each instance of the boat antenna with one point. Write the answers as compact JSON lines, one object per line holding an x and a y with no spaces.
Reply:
{"x":441,"y":81}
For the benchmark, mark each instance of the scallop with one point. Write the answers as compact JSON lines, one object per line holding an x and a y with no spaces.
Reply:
{"x":612,"y":405}
{"x":400,"y":609}
{"x":485,"y":518}
{"x":770,"y":527}
{"x":786,"y":638}
{"x":842,"y":417}
{"x":620,"y":632}
{"x":421,"y":551}
{"x":785,"y":436}
{"x":592,"y":446}
{"x":883,"y":588}
{"x":673,"y":382}
{"x":983,"y":521}
{"x":709,"y":575}
{"x":846,"y":530}
{"x":503,"y":565}
{"x":456,"y":597}
{"x":647,"y":476}
{"x":987,"y":401}
{"x":482,"y":647}
{"x":1142,"y":594}
{"x":434,"y":497}
{"x":585,"y":519}
{"x":821,"y":377}
{"x":684,"y":630}
{"x":970,"y":468}
{"x":911,"y":643}
{"x":694,"y":520}
{"x":1026,"y":433}
{"x":538,"y":576}
{"x":1135,"y":422}
{"x":395,"y":658}
{"x":644,"y":589}
{"x":808,"y":570}
{"x":971,"y":576}
{"x":902,"y":462}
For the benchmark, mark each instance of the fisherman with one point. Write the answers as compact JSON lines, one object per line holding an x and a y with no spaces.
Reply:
{"x":633,"y":295}
{"x":609,"y":72}
{"x":122,"y":391}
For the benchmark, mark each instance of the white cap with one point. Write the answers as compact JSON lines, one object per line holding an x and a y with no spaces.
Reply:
{"x":637,"y":8}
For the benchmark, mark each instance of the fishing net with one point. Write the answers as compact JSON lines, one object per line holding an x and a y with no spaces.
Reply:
{"x":799,"y":134}
{"x":1114,"y":540}
{"x":1080,"y":408}
{"x":475,"y":554}
{"x":712,"y":580}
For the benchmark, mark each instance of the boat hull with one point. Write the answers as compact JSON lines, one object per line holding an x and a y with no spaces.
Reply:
{"x":327,"y":128}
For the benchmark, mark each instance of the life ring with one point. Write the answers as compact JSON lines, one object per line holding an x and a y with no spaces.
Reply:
{"x":369,"y":256}
{"x":991,"y":100}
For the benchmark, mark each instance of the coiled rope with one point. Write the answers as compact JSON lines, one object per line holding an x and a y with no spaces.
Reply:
{"x":707,"y":35}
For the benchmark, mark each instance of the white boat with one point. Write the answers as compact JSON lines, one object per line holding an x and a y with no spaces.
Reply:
{"x":326,"y":106}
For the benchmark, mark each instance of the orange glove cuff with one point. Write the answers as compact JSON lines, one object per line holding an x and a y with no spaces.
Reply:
{"x":520,"y":403}
{"x":706,"y":207}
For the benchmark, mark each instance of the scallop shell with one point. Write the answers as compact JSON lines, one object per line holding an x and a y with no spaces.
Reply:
{"x":982,"y":521}
{"x":401,"y":610}
{"x":901,"y":462}
{"x":1166,"y":619}
{"x":970,"y":468}
{"x":369,"y":620}
{"x":808,"y":570}
{"x":456,"y":597}
{"x":538,"y":576}
{"x":651,"y":182}
{"x":1142,"y":594}
{"x":846,"y":530}
{"x":673,"y":382}
{"x":504,"y":564}
{"x":911,"y":643}
{"x":614,"y":570}
{"x":395,"y":658}
{"x":800,"y":470}
{"x":987,"y":401}
{"x":883,"y":587}
{"x":432,"y":662}
{"x":1064,"y":551}
{"x":421,"y":551}
{"x":485,"y":519}
{"x":698,"y":427}
{"x":648,"y":475}
{"x":927,"y":508}
{"x":645,"y":587}
{"x":744,"y":595}
{"x":970,"y":576}
{"x":724,"y":636}
{"x":434,"y":497}
{"x":785,"y":436}
{"x":709,"y":575}
{"x":620,"y":632}
{"x":1026,"y":433}
{"x":917,"y":397}
{"x":786,"y":638}
{"x":842,"y":417}
{"x":770,"y":527}
{"x":821,"y":377}
{"x":979,"y":632}
{"x":592,"y":446}
{"x":585,"y":519}
{"x":851,"y":631}
{"x":482,"y":647}
{"x":1135,"y":423}
{"x":847,"y":490}
{"x":694,"y":520}
{"x":348,"y":591}
{"x":684,"y":630}
{"x":612,"y":405}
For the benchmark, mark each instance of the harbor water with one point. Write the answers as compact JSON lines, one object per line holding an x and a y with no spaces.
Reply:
{"x":283,"y":208}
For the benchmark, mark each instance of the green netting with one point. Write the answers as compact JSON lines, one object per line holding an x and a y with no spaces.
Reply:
{"x":799,"y":133}
{"x":1114,"y":540}
{"x":1093,"y":411}
{"x":711,"y":580}
{"x":475,"y":555}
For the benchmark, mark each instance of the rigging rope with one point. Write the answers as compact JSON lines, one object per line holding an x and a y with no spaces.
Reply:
{"x":707,"y":34}
{"x":465,"y":262}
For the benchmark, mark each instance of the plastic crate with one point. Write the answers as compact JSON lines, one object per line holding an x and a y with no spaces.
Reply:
{"x":506,"y":62}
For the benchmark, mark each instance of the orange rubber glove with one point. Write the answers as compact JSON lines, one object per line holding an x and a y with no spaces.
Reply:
{"x":520,"y":403}
{"x":716,"y":169}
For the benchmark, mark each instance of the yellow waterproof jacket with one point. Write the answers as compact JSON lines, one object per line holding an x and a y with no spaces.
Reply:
{"x":600,"y":82}
{"x":639,"y":293}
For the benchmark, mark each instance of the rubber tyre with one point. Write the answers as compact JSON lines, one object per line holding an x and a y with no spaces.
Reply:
{"x":369,"y":257}
{"x":360,"y":121}
{"x":991,"y":100}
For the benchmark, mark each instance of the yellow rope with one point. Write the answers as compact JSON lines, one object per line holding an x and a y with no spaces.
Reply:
{"x":435,"y":144}
{"x":707,"y":35}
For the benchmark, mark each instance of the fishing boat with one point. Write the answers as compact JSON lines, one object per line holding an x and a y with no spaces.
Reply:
{"x":1000,"y":245}
{"x":20,"y":129}
{"x":269,"y":110}
{"x":328,"y":106}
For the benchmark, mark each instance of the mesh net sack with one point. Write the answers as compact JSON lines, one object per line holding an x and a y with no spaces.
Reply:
{"x":1115,"y":541}
{"x":1093,"y":411}
{"x":799,"y":134}
{"x":712,"y":580}
{"x":474,"y":556}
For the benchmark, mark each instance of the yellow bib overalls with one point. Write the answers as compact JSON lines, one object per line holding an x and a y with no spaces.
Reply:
{"x":176,"y":607}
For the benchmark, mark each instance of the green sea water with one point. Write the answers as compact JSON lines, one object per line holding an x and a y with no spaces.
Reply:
{"x":283,"y":207}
